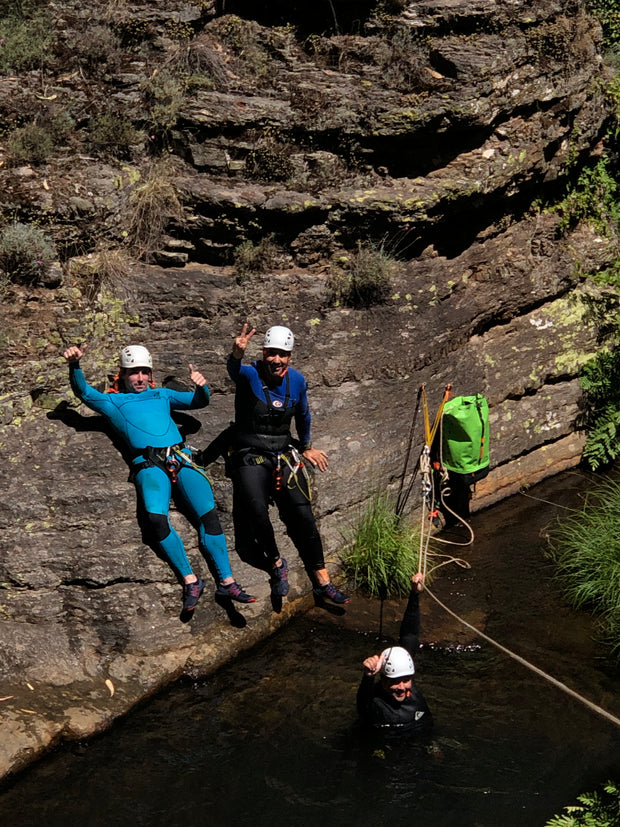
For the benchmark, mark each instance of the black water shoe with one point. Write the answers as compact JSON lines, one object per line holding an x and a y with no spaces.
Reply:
{"x":279,"y":580}
{"x":330,"y":592}
{"x":191,"y":594}
{"x":234,"y":592}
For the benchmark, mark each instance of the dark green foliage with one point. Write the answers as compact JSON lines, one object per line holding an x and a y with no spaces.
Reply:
{"x":245,"y":40}
{"x":178,"y":30}
{"x":600,"y":808}
{"x":586,"y":549}
{"x":600,"y":381}
{"x":96,"y":51}
{"x":132,"y":31}
{"x":25,"y":253}
{"x":363,"y":279}
{"x":35,"y":142}
{"x":608,"y":12}
{"x":593,"y":198}
{"x":381,"y":554}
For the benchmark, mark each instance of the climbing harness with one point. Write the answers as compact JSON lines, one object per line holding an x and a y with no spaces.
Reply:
{"x":170,"y":459}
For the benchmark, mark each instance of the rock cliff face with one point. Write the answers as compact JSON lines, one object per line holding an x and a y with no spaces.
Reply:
{"x":425,"y":132}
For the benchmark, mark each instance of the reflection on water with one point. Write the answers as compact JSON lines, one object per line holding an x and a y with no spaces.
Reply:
{"x":273,"y":737}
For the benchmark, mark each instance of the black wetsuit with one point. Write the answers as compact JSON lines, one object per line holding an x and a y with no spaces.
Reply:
{"x":260,"y":444}
{"x":381,"y":712}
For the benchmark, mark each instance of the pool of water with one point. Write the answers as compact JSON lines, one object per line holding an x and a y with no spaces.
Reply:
{"x":273,"y":737}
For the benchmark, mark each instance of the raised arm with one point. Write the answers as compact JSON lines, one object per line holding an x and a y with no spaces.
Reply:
{"x":242,"y":341}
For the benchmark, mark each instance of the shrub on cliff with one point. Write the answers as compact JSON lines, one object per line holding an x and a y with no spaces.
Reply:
{"x":25,"y":253}
{"x":111,"y":132}
{"x":592,"y":198}
{"x":25,"y":35}
{"x":153,"y":203}
{"x":608,"y":13}
{"x":361,"y":279}
{"x":600,"y":381}
{"x":36,"y":141}
{"x":252,"y":258}
{"x":30,"y":144}
{"x":164,"y":95}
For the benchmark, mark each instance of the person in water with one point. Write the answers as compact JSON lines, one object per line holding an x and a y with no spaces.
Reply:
{"x":140,"y":414}
{"x":266,"y":464}
{"x":394,"y":705}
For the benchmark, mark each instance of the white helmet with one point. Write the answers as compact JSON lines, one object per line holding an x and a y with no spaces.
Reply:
{"x":279,"y":338}
{"x":397,"y":663}
{"x":136,"y":356}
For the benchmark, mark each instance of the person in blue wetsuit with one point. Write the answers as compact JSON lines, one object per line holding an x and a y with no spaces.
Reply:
{"x":140,"y":414}
{"x":394,"y":705}
{"x":266,"y":464}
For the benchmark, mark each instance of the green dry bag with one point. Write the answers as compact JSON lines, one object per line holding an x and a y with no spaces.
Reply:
{"x":465,"y":435}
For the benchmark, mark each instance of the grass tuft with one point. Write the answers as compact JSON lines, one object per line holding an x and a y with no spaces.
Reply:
{"x":153,"y":204}
{"x":382,"y":553}
{"x":586,"y":550}
{"x":363,"y":280}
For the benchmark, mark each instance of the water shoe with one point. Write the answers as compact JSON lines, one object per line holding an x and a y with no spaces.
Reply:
{"x":234,"y":592}
{"x":279,"y":580}
{"x":191,"y":594}
{"x":330,"y":592}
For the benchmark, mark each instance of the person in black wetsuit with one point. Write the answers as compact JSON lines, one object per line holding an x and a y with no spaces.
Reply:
{"x":394,"y":705}
{"x":266,"y":464}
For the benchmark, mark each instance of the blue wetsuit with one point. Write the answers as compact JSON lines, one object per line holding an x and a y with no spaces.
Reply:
{"x":261,"y":441}
{"x":144,"y":423}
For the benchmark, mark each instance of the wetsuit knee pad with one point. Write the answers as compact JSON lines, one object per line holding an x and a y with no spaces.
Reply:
{"x":159,"y":525}
{"x":211,"y":522}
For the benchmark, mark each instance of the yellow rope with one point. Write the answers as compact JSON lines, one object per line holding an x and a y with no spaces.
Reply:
{"x":599,"y":710}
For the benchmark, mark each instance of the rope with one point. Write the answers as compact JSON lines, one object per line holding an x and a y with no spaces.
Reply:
{"x":294,"y":469}
{"x":599,"y":710}
{"x":428,"y":489}
{"x":547,"y":502}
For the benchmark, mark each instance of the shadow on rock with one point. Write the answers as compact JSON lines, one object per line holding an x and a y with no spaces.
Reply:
{"x":234,"y":615}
